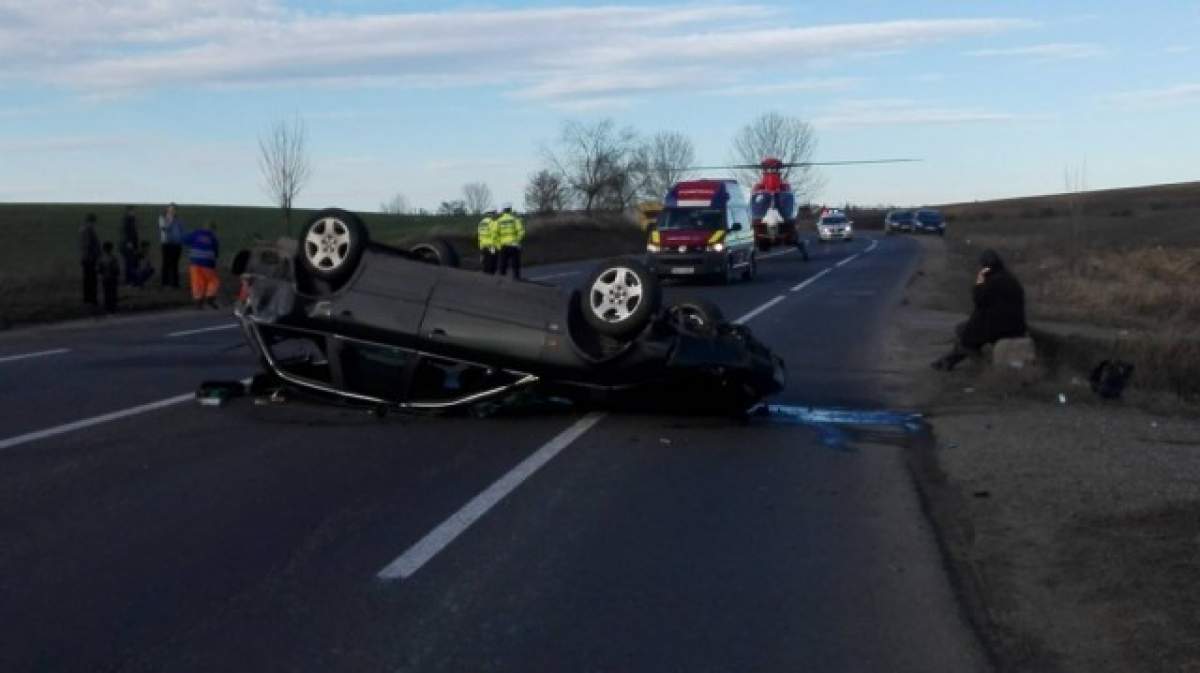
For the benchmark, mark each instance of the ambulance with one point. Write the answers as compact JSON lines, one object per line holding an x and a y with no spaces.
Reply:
{"x":703,"y":232}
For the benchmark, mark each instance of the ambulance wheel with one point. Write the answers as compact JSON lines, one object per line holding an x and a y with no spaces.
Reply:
{"x":620,"y":297}
{"x":332,"y":244}
{"x":751,"y":269}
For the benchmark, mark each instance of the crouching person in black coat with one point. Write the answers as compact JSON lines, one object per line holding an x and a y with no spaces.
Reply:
{"x":999,"y":312}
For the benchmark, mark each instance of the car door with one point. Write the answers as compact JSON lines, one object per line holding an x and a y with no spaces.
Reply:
{"x":492,"y":318}
{"x":389,"y":295}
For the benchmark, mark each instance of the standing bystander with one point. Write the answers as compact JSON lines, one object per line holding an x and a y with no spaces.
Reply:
{"x":129,"y":245}
{"x":487,"y":238}
{"x":89,"y":254}
{"x":510,"y":233}
{"x":170,"y":230}
{"x":110,"y":273}
{"x":202,"y":258}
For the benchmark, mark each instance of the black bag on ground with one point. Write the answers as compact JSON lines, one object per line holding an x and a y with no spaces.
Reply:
{"x":1109,"y":378}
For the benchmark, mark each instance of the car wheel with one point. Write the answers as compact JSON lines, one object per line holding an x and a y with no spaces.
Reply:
{"x":696,"y":315}
{"x":437,"y":252}
{"x":620,"y":297}
{"x":332,"y":244}
{"x":751,"y":269}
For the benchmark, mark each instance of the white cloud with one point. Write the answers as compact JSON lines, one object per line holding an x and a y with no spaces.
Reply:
{"x":1047,"y":52}
{"x":905,"y":112}
{"x":819,"y":84}
{"x":1179,"y":49}
{"x":593,"y":104}
{"x":1165,"y":95}
{"x":574,"y":57}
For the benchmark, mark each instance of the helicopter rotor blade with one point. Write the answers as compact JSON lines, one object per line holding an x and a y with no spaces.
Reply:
{"x":796,"y":164}
{"x":848,"y":163}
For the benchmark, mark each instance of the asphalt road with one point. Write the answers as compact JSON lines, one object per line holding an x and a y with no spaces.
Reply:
{"x":140,"y":532}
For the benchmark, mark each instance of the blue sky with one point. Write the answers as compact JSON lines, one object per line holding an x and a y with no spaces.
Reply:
{"x":156,"y":100}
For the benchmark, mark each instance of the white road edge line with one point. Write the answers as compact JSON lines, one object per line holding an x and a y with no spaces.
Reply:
{"x":742,"y":320}
{"x":439,"y":538}
{"x":97,"y":420}
{"x":874,"y":242}
{"x":186,"y":332}
{"x":811,"y":280}
{"x":26,"y":356}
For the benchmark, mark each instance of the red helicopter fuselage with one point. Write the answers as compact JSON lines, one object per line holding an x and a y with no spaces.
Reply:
{"x":773,"y":207}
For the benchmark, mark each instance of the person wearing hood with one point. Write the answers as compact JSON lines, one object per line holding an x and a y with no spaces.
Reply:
{"x":999,"y":311}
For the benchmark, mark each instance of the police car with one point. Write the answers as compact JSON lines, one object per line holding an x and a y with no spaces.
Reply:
{"x":703,"y":232}
{"x":833,"y":225}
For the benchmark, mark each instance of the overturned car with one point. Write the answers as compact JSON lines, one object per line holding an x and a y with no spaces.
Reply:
{"x":345,"y":318}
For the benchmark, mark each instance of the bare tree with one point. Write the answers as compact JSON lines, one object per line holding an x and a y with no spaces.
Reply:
{"x":662,"y":161}
{"x":477,"y":197}
{"x":545,"y":192}
{"x":283,"y":160}
{"x":595,"y":162}
{"x":788,"y":139}
{"x":456,"y":207}
{"x":397,"y":205}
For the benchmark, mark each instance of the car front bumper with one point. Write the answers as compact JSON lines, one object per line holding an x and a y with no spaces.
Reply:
{"x":835,"y":234}
{"x":685,"y":264}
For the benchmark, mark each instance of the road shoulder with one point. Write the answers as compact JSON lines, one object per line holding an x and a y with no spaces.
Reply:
{"x":1071,"y":528}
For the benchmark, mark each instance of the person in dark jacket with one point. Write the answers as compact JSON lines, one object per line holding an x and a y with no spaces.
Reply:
{"x":130,"y":245}
{"x":89,"y":254}
{"x":170,"y":231}
{"x":110,"y":274}
{"x":999,"y":311}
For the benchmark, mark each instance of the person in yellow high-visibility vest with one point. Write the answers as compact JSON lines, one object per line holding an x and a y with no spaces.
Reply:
{"x":489,"y":243}
{"x":510,"y":233}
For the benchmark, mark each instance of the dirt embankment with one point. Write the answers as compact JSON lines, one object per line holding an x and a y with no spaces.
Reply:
{"x":1073,"y":523}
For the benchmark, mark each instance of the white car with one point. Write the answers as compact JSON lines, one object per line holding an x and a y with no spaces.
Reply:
{"x":834,"y":226}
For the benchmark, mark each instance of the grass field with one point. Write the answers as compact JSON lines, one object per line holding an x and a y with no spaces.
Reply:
{"x":40,"y":273}
{"x":1127,"y":259}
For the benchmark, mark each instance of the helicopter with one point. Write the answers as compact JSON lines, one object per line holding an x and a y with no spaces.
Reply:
{"x":773,"y":209}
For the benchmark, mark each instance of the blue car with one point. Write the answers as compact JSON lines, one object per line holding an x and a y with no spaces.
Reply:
{"x":929,"y":222}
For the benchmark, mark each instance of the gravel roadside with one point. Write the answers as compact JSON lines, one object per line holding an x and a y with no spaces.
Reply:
{"x":1073,"y":529}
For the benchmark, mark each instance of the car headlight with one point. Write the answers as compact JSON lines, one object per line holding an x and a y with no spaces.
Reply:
{"x":717,"y":247}
{"x":650,"y":247}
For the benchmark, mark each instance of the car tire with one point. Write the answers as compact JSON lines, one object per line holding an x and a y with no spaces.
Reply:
{"x":332,"y":243}
{"x":620,"y":297}
{"x":696,"y":316}
{"x":751,"y":269}
{"x":436,"y":252}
